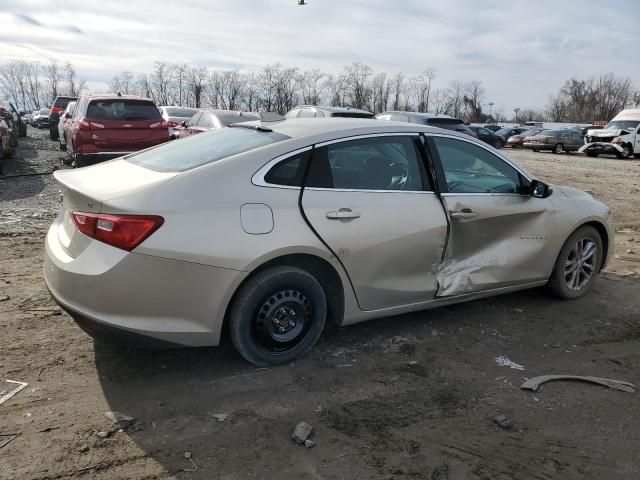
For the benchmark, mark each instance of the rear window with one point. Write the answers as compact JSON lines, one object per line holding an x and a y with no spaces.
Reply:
{"x":123,"y":110}
{"x":197,"y":150}
{"x":181,"y":112}
{"x":62,"y":102}
{"x":444,"y":122}
{"x":230,"y":119}
{"x":550,"y":133}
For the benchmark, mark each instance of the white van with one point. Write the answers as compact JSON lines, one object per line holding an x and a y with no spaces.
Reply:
{"x":621,"y":136}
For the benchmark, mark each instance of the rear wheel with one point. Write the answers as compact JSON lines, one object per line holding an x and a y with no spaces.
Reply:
{"x":592,"y":154}
{"x":558,"y":148}
{"x":497,"y":144}
{"x":277,"y":316}
{"x":577,"y":264}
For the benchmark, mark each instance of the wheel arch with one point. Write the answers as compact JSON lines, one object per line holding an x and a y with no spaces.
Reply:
{"x":330,"y":280}
{"x":604,"y":236}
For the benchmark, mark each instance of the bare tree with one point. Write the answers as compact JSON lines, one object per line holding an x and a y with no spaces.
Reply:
{"x":53,"y":78}
{"x":454,"y":98}
{"x":357,"y":82}
{"x":473,"y":96}
{"x":196,"y":79}
{"x":122,"y":83}
{"x":74,"y":85}
{"x":312,"y":86}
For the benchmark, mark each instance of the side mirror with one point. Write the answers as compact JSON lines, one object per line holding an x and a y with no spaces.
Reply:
{"x":539,"y":189}
{"x":184,"y":123}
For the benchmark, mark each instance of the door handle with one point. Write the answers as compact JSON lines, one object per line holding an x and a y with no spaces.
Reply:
{"x":463,"y":214}
{"x":343,"y":214}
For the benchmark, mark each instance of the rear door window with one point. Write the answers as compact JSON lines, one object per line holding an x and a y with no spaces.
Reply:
{"x":125,"y":110}
{"x":375,"y":163}
{"x":197,"y":150}
{"x":288,"y":172}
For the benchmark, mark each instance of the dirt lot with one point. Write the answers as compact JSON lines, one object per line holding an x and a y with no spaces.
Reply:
{"x":405,"y":397}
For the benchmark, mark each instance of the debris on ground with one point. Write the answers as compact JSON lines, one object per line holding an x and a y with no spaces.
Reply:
{"x":6,"y":438}
{"x":309,"y":443}
{"x":4,"y":298}
{"x":7,"y":396}
{"x":502,"y":421}
{"x":302,"y":432}
{"x":117,"y":417}
{"x":83,"y":448}
{"x":534,"y":383}
{"x":505,"y":362}
{"x":104,"y":434}
{"x":221,"y":417}
{"x":187,"y":455}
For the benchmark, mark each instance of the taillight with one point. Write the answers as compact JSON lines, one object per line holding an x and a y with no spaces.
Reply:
{"x":162,"y":124}
{"x":172,"y":124}
{"x":120,"y":231}
{"x":85,"y":124}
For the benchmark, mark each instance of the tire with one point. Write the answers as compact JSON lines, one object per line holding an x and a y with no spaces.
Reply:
{"x":558,"y":148}
{"x":627,"y":151}
{"x":535,"y":150}
{"x":497,"y":144}
{"x":592,"y":154}
{"x":265,"y":303}
{"x":563,"y":283}
{"x":53,"y":134}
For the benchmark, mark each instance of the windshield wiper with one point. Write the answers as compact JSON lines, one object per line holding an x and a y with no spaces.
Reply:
{"x":259,"y":128}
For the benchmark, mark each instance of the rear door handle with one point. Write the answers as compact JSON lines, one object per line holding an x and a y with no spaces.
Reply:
{"x":342,"y":214}
{"x":465,"y":213}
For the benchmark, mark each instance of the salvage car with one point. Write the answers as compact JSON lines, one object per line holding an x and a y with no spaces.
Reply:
{"x":314,"y":111}
{"x":65,"y":119}
{"x":271,"y":229}
{"x":507,"y":132}
{"x":108,"y":126}
{"x":515,"y":141}
{"x":42,"y":119}
{"x":487,"y":136}
{"x":558,"y":141}
{"x":621,"y":136}
{"x":209,"y":119}
{"x":6,"y":142}
{"x":176,"y":117}
{"x":435,"y":120}
{"x":57,"y":109}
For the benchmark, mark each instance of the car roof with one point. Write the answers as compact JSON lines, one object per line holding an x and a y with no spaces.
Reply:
{"x":239,"y":113}
{"x":420,"y":114}
{"x":335,"y":109}
{"x":113,"y":96}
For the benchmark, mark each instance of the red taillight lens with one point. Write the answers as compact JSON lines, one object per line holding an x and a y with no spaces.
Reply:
{"x":172,"y":124}
{"x":162,"y":124}
{"x":120,"y":231}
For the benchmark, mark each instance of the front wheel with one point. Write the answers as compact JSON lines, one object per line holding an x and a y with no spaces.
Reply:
{"x":577,"y":264}
{"x":497,"y":144}
{"x":277,"y":316}
{"x":626,"y":152}
{"x":558,"y":148}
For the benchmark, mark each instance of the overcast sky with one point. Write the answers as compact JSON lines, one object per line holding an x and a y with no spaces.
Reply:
{"x":522,"y":51}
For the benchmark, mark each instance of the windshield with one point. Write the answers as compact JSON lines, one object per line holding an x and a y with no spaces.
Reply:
{"x":550,"y":133}
{"x":181,"y":112}
{"x":44,"y":111}
{"x":503,"y":132}
{"x":228,"y":119}
{"x":530,"y":133}
{"x":623,"y":124}
{"x":198,"y":150}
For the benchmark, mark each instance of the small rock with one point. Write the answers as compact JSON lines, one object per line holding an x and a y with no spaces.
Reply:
{"x":309,"y":443}
{"x":4,"y":298}
{"x":413,"y":362}
{"x":502,"y":421}
{"x":630,"y":251}
{"x":83,"y":449}
{"x":103,"y":434}
{"x":301,"y":432}
{"x":117,"y":417}
{"x":221,"y":417}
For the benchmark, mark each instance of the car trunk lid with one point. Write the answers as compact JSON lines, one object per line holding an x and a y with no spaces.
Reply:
{"x":85,"y":190}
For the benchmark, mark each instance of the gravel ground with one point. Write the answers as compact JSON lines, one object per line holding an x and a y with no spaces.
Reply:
{"x":406,"y":397}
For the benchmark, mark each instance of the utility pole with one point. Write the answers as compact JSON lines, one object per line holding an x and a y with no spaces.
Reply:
{"x":490,"y":109}
{"x":517,"y":109}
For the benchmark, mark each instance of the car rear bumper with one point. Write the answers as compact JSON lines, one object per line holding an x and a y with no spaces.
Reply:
{"x":86,"y":159}
{"x":136,"y":299}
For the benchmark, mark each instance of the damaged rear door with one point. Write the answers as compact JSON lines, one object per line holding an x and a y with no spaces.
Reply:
{"x":498,"y":232}
{"x":371,"y":202}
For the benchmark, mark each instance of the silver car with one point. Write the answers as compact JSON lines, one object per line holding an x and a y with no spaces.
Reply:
{"x":274,"y":228}
{"x":176,"y":117}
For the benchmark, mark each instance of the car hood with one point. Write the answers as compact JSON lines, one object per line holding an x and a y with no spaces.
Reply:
{"x":609,"y":132}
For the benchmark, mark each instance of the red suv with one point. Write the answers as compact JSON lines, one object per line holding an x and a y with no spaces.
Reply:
{"x":110,"y":126}
{"x":57,"y":109}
